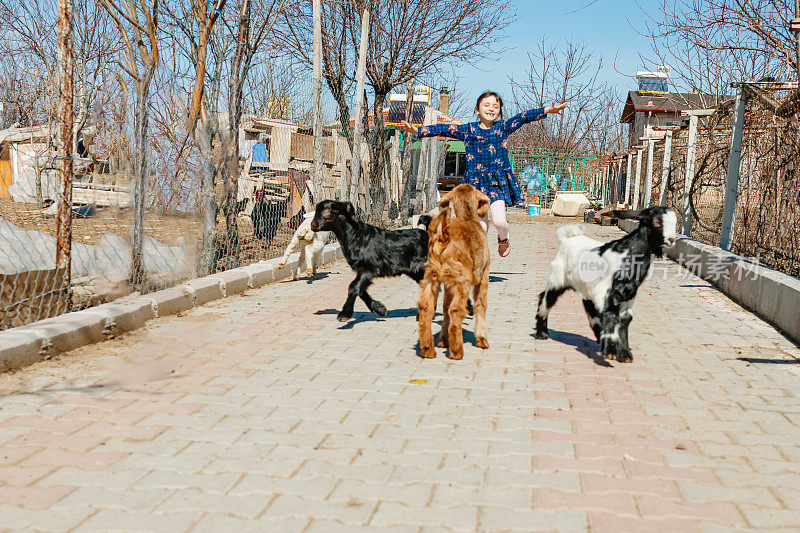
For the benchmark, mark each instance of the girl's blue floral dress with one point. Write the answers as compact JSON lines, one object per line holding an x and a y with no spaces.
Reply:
{"x":488,"y":167}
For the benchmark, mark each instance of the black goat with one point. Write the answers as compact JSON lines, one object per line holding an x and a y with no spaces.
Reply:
{"x":371,"y":251}
{"x":266,"y":217}
{"x":607,"y":276}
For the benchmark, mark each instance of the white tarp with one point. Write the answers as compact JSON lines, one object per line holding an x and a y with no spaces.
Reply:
{"x":569,"y":204}
{"x":25,"y":250}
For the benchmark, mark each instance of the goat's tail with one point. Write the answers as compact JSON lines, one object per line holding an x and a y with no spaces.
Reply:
{"x":572,"y":230}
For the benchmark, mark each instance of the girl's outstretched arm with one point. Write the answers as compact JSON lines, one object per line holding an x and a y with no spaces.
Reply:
{"x":514,"y":123}
{"x":445,"y":130}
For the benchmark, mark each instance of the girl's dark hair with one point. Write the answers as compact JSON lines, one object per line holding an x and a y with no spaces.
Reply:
{"x":486,"y":94}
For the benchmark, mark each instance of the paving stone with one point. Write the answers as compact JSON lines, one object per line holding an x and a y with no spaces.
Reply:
{"x":262,"y":412}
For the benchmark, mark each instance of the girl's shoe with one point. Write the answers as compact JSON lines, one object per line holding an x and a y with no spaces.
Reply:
{"x":503,"y":247}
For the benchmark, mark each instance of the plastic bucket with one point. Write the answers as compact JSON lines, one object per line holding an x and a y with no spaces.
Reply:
{"x":533,"y":209}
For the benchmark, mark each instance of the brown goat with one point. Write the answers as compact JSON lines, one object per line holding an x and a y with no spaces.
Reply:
{"x":458,"y":258}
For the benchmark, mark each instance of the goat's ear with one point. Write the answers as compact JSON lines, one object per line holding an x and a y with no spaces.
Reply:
{"x":444,"y":203}
{"x":350,"y":210}
{"x":483,"y":204}
{"x":625,"y":213}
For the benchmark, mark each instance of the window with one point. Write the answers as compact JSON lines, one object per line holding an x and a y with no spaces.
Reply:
{"x":455,"y":164}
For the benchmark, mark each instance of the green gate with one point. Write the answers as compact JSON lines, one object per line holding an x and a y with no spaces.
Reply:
{"x":563,"y":170}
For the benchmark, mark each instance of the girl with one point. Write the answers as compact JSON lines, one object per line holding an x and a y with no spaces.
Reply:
{"x":486,"y":145}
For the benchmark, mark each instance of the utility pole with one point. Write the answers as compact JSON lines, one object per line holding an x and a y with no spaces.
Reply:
{"x":691,"y":159}
{"x":362,"y":65}
{"x":732,"y":182}
{"x":317,"y":178}
{"x":65,"y":138}
{"x":662,"y":199}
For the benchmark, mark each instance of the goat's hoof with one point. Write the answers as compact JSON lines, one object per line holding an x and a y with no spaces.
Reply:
{"x":343,"y":317}
{"x":428,"y":353}
{"x":456,"y":356}
{"x":625,"y":356}
{"x":379,"y":308}
{"x":442,"y":342}
{"x":309,"y":273}
{"x":542,"y":334}
{"x":281,"y":265}
{"x":482,"y":343}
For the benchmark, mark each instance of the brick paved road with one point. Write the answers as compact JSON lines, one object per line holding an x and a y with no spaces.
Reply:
{"x":262,"y":413}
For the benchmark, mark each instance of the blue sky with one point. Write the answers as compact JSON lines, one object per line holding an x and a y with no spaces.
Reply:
{"x":607,"y":26}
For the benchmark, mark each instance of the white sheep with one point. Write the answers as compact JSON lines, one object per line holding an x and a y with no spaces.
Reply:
{"x":311,"y":244}
{"x":607,"y":275}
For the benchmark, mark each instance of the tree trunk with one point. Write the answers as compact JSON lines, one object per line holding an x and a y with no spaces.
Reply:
{"x":141,"y":172}
{"x":66,"y":119}
{"x":235,"y":115}
{"x":208,"y":205}
{"x":377,"y":191}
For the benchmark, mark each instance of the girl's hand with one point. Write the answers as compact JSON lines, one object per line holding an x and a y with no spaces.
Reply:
{"x":555,"y":109}
{"x":408,"y":128}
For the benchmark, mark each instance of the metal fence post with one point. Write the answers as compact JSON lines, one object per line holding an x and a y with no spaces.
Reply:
{"x":691,"y":153}
{"x":662,"y":200}
{"x":628,"y":180}
{"x":648,"y":179}
{"x":732,"y":183}
{"x":638,"y":179}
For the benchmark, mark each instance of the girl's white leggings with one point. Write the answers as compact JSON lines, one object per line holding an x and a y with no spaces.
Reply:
{"x":497,"y":210}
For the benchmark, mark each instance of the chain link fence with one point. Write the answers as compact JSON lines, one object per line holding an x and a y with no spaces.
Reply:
{"x":189,"y":226}
{"x":694,"y":180}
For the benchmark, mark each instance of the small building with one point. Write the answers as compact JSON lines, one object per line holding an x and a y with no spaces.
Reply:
{"x":653,"y":106}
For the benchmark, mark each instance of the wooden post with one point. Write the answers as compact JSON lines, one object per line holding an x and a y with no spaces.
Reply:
{"x":637,"y":179}
{"x":65,"y":137}
{"x":617,"y":184}
{"x":362,"y":63}
{"x":732,"y":183}
{"x":317,"y":88}
{"x":628,"y":181}
{"x":662,"y":199}
{"x":648,"y":178}
{"x":691,"y":156}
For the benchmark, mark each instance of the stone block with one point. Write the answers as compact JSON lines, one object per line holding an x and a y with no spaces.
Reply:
{"x":170,"y":301}
{"x":20,"y":347}
{"x":73,"y":330}
{"x":234,"y":281}
{"x":204,"y":290}
{"x":788,"y":310}
{"x":127,"y":316}
{"x":260,"y":274}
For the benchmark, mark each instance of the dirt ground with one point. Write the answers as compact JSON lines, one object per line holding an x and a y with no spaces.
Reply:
{"x":168,"y":229}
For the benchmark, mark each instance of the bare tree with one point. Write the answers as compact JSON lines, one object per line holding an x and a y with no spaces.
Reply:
{"x":249,"y":37}
{"x":407,"y":39}
{"x":137,"y":22}
{"x":710,"y":43}
{"x":566,"y":72}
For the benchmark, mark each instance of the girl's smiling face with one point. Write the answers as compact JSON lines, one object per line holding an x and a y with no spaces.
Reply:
{"x":489,"y":109}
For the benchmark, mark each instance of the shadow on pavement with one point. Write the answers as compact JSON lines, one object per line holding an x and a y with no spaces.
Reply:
{"x":584,"y":345}
{"x":769,"y":361}
{"x":369,"y":316}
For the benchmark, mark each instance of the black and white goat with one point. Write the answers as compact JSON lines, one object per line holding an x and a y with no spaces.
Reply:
{"x":607,"y":275}
{"x":371,"y":251}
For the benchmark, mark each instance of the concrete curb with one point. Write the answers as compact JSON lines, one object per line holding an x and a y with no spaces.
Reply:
{"x":25,"y":345}
{"x":772,"y":295}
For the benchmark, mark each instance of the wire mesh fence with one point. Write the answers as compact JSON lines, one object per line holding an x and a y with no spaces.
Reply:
{"x":197,"y":218}
{"x":763,"y":197}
